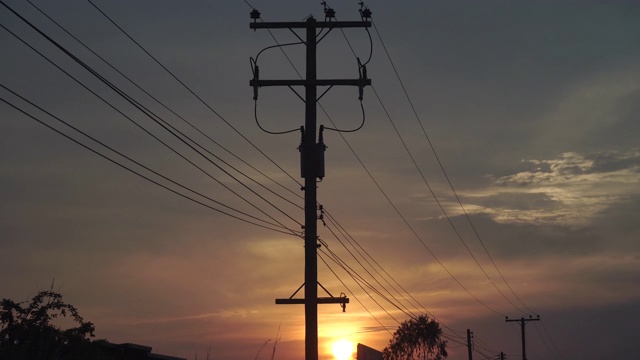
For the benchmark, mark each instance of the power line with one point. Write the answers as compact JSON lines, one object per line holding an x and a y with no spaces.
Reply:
{"x":134,"y":122}
{"x":193,"y":93}
{"x":393,"y":204}
{"x":545,"y":342}
{"x":422,"y":174}
{"x":352,"y":240}
{"x":432,"y":147}
{"x":148,"y":113}
{"x":396,"y":304}
{"x":354,"y":295}
{"x":406,"y":310}
{"x":190,"y":124}
{"x":544,"y":328}
{"x":346,"y":268}
{"x":139,"y":174}
{"x":444,"y":212}
{"x":433,"y":194}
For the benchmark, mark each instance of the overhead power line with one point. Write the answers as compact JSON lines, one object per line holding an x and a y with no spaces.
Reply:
{"x":141,"y":165}
{"x":392,"y":203}
{"x":166,"y":126}
{"x":190,"y":124}
{"x":193,"y":92}
{"x":435,"y":153}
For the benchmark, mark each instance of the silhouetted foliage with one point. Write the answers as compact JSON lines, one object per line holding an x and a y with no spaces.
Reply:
{"x":417,"y":339}
{"x":28,"y":331}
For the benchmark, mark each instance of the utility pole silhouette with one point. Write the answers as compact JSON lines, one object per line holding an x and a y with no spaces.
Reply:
{"x":469,"y":343}
{"x":312,"y":154}
{"x":523,"y":322}
{"x":502,"y":357}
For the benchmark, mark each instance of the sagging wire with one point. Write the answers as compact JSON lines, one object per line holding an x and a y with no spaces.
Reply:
{"x":254,"y":62}
{"x":255,"y":114}
{"x":255,"y":69}
{"x":351,"y":130}
{"x":365,"y":15}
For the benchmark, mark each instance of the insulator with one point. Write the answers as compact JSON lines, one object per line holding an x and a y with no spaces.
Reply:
{"x":320,"y":149}
{"x":256,"y":77}
{"x":365,"y":13}
{"x":255,"y":14}
{"x":329,"y":13}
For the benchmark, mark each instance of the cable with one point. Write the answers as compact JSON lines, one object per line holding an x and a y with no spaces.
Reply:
{"x":397,"y":305}
{"x":354,"y":295}
{"x":341,"y":264}
{"x":444,"y":212}
{"x":133,"y":121}
{"x":352,"y":130}
{"x":255,"y":114}
{"x":446,"y":175}
{"x":129,"y":158}
{"x":255,"y":61}
{"x":544,"y":341}
{"x":483,"y":345}
{"x":426,"y":182}
{"x":149,"y":114}
{"x":169,"y":109}
{"x":140,"y":175}
{"x":408,"y":311}
{"x":360,"y":280}
{"x":399,"y":213}
{"x":352,"y":240}
{"x":544,"y":329}
{"x":412,"y":230}
{"x":194,"y":94}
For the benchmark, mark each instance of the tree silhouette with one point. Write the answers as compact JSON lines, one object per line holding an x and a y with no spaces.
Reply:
{"x":417,"y":339}
{"x":28,"y":331}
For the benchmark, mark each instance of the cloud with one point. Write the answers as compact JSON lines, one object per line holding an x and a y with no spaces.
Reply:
{"x":569,"y":189}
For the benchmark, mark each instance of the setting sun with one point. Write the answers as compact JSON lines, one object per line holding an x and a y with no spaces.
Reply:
{"x":342,"y":349}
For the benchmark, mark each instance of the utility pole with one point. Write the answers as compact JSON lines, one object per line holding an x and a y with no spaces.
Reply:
{"x":312,"y":154}
{"x":523,"y":322}
{"x":502,"y":357}
{"x":469,"y":343}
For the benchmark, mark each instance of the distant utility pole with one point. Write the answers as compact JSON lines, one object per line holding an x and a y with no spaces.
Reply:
{"x":470,"y":343}
{"x":502,"y":357}
{"x":523,"y":322}
{"x":312,"y":154}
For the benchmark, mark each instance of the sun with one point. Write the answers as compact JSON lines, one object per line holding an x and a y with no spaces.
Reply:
{"x":342,"y":349}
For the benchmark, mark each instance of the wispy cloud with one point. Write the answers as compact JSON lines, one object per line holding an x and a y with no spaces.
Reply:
{"x":570,"y":189}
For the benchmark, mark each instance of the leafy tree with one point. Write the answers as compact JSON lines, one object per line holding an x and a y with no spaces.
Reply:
{"x":28,"y":330}
{"x":417,"y":339}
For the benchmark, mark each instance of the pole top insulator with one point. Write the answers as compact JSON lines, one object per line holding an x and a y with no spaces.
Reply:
{"x":255,"y":14}
{"x":365,"y":13}
{"x":329,"y":13}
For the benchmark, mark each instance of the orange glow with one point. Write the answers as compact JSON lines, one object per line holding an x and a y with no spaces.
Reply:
{"x":342,"y":349}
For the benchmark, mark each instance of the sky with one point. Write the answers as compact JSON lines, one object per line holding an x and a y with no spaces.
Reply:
{"x":528,"y":110}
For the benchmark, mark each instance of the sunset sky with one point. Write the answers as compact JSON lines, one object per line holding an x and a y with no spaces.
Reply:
{"x":528,"y":109}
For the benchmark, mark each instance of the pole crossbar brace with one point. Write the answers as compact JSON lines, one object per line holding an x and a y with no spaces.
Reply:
{"x":321,"y":300}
